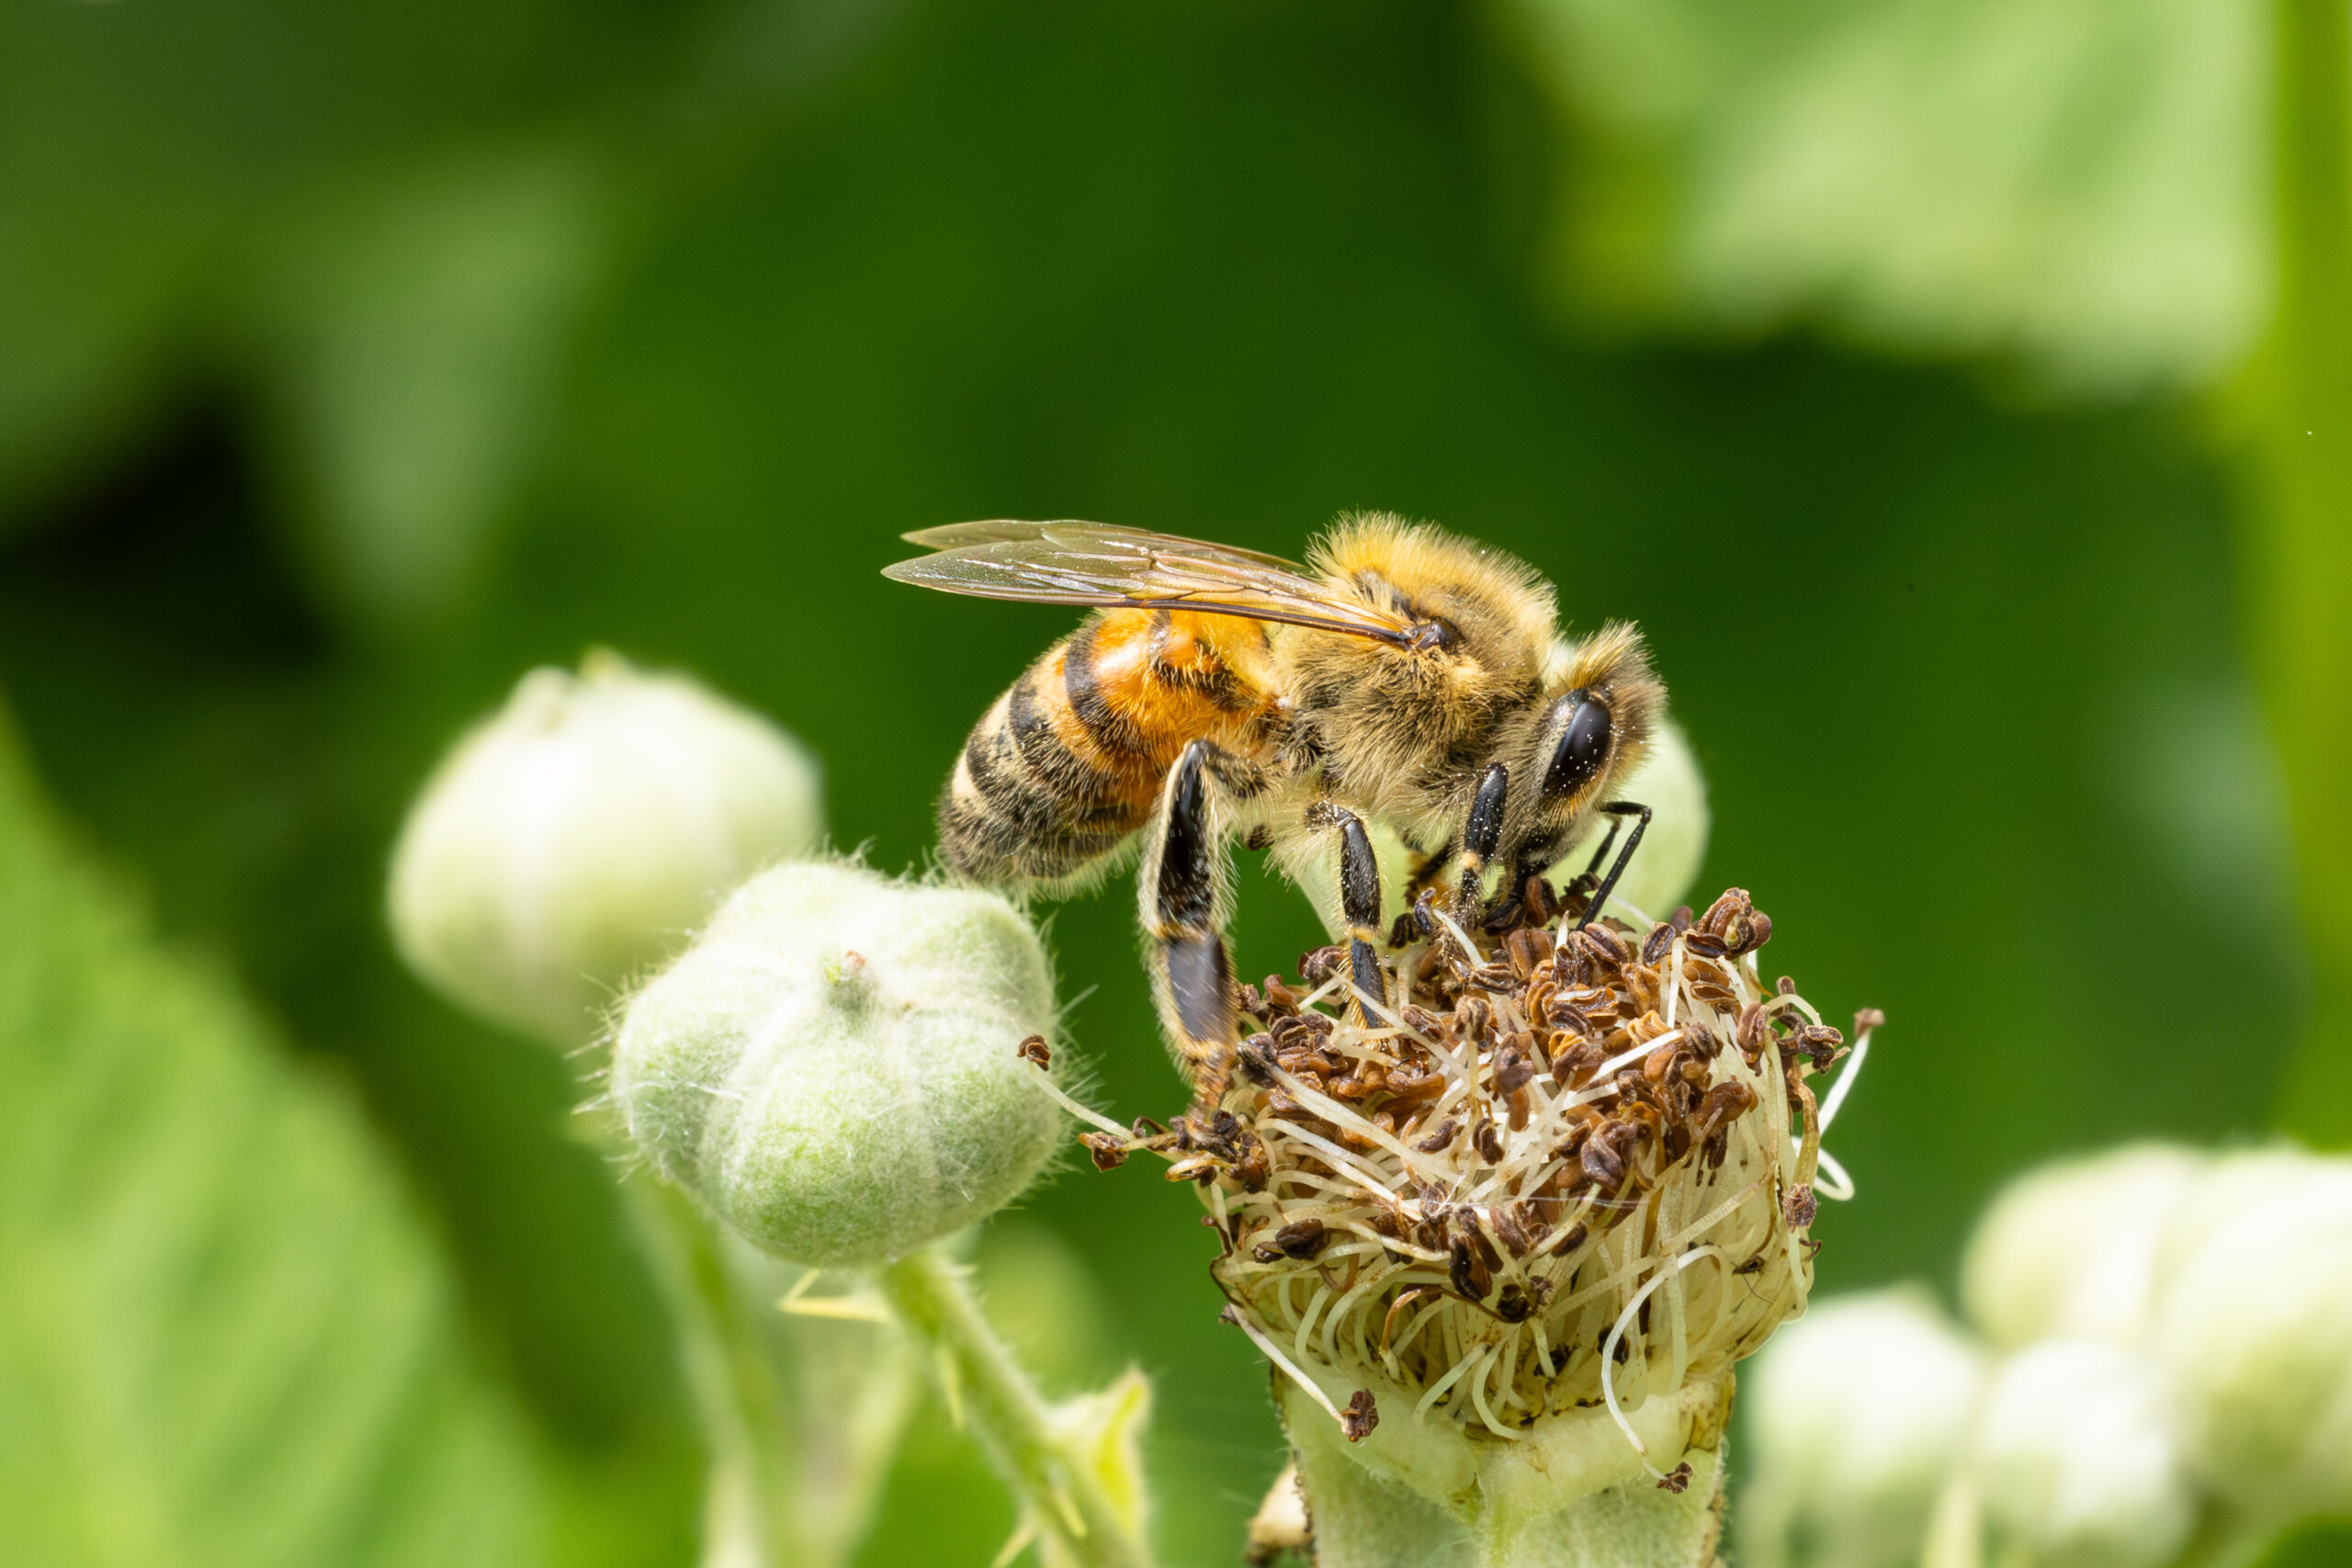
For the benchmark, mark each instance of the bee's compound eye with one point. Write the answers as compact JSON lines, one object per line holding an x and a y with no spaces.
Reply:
{"x":1583,"y":745}
{"x":1436,"y":632}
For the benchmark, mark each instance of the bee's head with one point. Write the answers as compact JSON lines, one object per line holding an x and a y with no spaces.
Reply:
{"x":1600,"y":702}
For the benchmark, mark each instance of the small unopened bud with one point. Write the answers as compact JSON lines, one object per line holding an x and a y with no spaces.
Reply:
{"x":1280,"y":1525}
{"x":1102,"y":1433}
{"x":2256,"y":1330}
{"x":2076,"y":1460}
{"x":581,"y":832}
{"x":835,"y":1065}
{"x":1860,"y":1408}
{"x":2071,"y":1248}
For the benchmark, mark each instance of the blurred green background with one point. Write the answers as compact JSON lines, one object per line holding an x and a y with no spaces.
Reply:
{"x":1884,"y":359}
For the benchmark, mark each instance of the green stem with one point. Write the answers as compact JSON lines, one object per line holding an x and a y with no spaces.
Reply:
{"x":746,"y":1517}
{"x":2300,"y":541}
{"x":800,"y":1416}
{"x":2225,"y":1539}
{"x":1004,"y":1411}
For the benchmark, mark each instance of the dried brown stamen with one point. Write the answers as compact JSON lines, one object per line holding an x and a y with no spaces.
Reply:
{"x":1541,"y":1183}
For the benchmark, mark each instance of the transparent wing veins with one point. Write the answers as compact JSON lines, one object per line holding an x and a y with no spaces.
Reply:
{"x":1111,"y":566}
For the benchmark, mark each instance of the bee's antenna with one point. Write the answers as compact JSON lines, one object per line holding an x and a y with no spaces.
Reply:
{"x":1620,"y":810}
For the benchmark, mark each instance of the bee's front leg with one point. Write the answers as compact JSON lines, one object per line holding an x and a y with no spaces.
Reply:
{"x":1621,"y":809}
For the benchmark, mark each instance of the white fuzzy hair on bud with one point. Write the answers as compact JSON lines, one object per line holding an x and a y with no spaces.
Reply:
{"x":1860,"y":1410}
{"x":2071,"y":1248}
{"x":2077,"y":1460}
{"x":579,"y":834}
{"x":836,"y":1066}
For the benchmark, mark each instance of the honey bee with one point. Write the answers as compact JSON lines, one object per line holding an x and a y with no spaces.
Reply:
{"x":1406,"y":679}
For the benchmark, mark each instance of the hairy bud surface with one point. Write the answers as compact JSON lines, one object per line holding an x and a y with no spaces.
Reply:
{"x":836,"y":1064}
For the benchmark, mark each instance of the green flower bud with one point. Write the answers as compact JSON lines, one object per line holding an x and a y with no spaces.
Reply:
{"x":579,"y":834}
{"x":1860,"y":1410}
{"x":1102,"y":1433}
{"x":835,"y":1065}
{"x":2071,"y":1248}
{"x":2077,"y":1460}
{"x":2255,"y":1327}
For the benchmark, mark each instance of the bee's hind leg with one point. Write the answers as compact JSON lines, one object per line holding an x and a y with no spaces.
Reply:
{"x":1185,"y":893}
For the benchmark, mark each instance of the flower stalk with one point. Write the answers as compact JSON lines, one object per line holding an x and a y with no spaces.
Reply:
{"x":2298,"y":400}
{"x":746,"y":1515}
{"x":1061,"y":1491}
{"x":800,"y":1433}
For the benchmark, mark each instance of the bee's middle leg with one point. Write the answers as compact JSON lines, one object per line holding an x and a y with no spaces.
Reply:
{"x":1482,"y":834}
{"x":1359,"y":898}
{"x":1185,"y":893}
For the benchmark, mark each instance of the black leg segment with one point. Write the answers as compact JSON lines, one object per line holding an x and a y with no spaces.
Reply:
{"x":1186,"y":893}
{"x":1620,"y":810}
{"x":1481,"y":832}
{"x":1608,"y":839}
{"x":1360,"y":902}
{"x":1200,"y":986}
{"x":1183,"y":874}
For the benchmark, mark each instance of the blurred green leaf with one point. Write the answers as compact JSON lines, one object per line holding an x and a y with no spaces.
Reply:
{"x":2076,"y":183}
{"x":2322,"y":1543}
{"x":224,"y":1337}
{"x":381,"y":222}
{"x":414,"y":327}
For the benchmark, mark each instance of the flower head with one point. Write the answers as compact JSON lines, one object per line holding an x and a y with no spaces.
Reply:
{"x":2070,"y":1248}
{"x":1546,"y":1184}
{"x":2253,"y":1321}
{"x":2076,"y":1458}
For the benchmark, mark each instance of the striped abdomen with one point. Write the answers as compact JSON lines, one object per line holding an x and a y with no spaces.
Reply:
{"x":1067,"y":764}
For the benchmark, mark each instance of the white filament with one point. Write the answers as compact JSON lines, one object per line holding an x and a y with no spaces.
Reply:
{"x":1838,"y":1090}
{"x":1617,"y":1333}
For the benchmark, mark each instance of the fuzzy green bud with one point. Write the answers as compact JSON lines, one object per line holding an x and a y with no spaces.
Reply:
{"x":836,"y":1067}
{"x":2255,"y":1327}
{"x":578,"y":835}
{"x":2071,"y":1248}
{"x":1860,"y":1409}
{"x":2077,"y":1460}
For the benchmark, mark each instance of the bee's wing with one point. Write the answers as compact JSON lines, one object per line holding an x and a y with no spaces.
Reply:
{"x":1100,"y":564}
